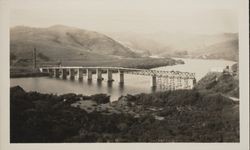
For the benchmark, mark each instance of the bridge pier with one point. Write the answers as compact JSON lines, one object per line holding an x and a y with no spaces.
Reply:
{"x":194,"y":81}
{"x":99,"y":74}
{"x":57,"y":74}
{"x":191,"y":83}
{"x":121,"y":76}
{"x":64,"y":73}
{"x":153,"y":82}
{"x":178,"y":85}
{"x":72,"y":74}
{"x":172,"y":83}
{"x":80,"y":74}
{"x":109,"y":73}
{"x":44,"y":70}
{"x":89,"y":74}
{"x":50,"y":72}
{"x":185,"y":83}
{"x":167,"y":83}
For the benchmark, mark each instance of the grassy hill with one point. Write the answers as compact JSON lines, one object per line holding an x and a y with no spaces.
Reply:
{"x":68,"y":43}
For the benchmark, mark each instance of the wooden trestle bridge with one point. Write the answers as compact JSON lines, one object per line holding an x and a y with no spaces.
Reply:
{"x":168,"y":80}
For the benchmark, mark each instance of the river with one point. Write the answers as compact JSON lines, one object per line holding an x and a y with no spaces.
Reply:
{"x":134,"y":84}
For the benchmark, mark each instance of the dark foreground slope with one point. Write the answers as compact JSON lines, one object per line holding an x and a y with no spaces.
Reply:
{"x":177,"y":116}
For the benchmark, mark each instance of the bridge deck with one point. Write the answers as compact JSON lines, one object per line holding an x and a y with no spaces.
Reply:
{"x":146,"y":72}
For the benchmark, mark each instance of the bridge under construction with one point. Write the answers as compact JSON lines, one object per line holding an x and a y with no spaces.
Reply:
{"x":167,"y":80}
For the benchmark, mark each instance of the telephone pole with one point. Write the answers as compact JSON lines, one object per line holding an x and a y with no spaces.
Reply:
{"x":34,"y":58}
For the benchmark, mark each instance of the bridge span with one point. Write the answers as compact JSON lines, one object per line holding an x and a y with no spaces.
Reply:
{"x":168,"y":80}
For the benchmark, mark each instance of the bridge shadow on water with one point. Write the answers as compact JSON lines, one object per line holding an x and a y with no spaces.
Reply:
{"x":113,"y":88}
{"x":153,"y":89}
{"x":89,"y":82}
{"x":121,"y":87}
{"x":110,"y":86}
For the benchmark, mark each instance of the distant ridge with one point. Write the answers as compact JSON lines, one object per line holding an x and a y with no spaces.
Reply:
{"x":222,"y":50}
{"x":187,"y":45}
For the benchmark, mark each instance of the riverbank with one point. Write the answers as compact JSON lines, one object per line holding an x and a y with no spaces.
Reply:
{"x":28,"y":74}
{"x":22,"y":72}
{"x":171,"y":116}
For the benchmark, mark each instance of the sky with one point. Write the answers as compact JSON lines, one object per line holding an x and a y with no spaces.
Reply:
{"x":145,"y":16}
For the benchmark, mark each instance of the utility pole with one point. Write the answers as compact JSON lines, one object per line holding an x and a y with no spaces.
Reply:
{"x":34,"y":59}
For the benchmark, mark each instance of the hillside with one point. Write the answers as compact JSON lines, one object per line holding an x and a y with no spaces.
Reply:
{"x":182,"y":44}
{"x":223,"y":50}
{"x":62,"y":42}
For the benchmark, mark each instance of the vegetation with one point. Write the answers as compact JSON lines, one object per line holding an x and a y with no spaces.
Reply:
{"x":220,"y":83}
{"x":63,"y":42}
{"x":189,"y":116}
{"x":43,"y":57}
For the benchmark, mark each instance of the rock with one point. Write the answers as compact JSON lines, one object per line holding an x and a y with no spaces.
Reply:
{"x":17,"y":90}
{"x":101,"y":98}
{"x":159,"y":118}
{"x":122,"y":102}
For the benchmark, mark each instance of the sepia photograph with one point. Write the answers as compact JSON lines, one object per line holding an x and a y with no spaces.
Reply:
{"x":134,"y":71}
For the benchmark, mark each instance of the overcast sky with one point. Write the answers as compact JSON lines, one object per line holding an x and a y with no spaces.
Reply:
{"x":191,"y":16}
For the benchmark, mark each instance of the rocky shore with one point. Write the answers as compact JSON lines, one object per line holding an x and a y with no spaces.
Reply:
{"x":171,"y":116}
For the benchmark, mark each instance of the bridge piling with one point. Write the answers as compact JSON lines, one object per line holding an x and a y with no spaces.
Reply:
{"x":50,"y":72}
{"x":172,"y":84}
{"x":153,"y":83}
{"x":64,"y":73}
{"x":99,"y":74}
{"x":109,"y":73}
{"x":178,"y":85}
{"x":121,"y":76}
{"x":72,"y":74}
{"x":43,"y":70}
{"x":192,"y":82}
{"x":186,"y":83}
{"x":89,"y":74}
{"x":80,"y":74}
{"x":57,"y":73}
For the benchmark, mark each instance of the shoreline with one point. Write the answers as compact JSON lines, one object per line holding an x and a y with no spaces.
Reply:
{"x":28,"y":75}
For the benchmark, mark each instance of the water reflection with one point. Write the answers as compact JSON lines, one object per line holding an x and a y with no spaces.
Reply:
{"x":153,"y":89}
{"x":109,"y":87}
{"x":99,"y":83}
{"x":80,"y":80}
{"x":89,"y":81}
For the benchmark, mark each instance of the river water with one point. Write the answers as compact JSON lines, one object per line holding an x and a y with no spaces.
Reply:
{"x":134,"y":84}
